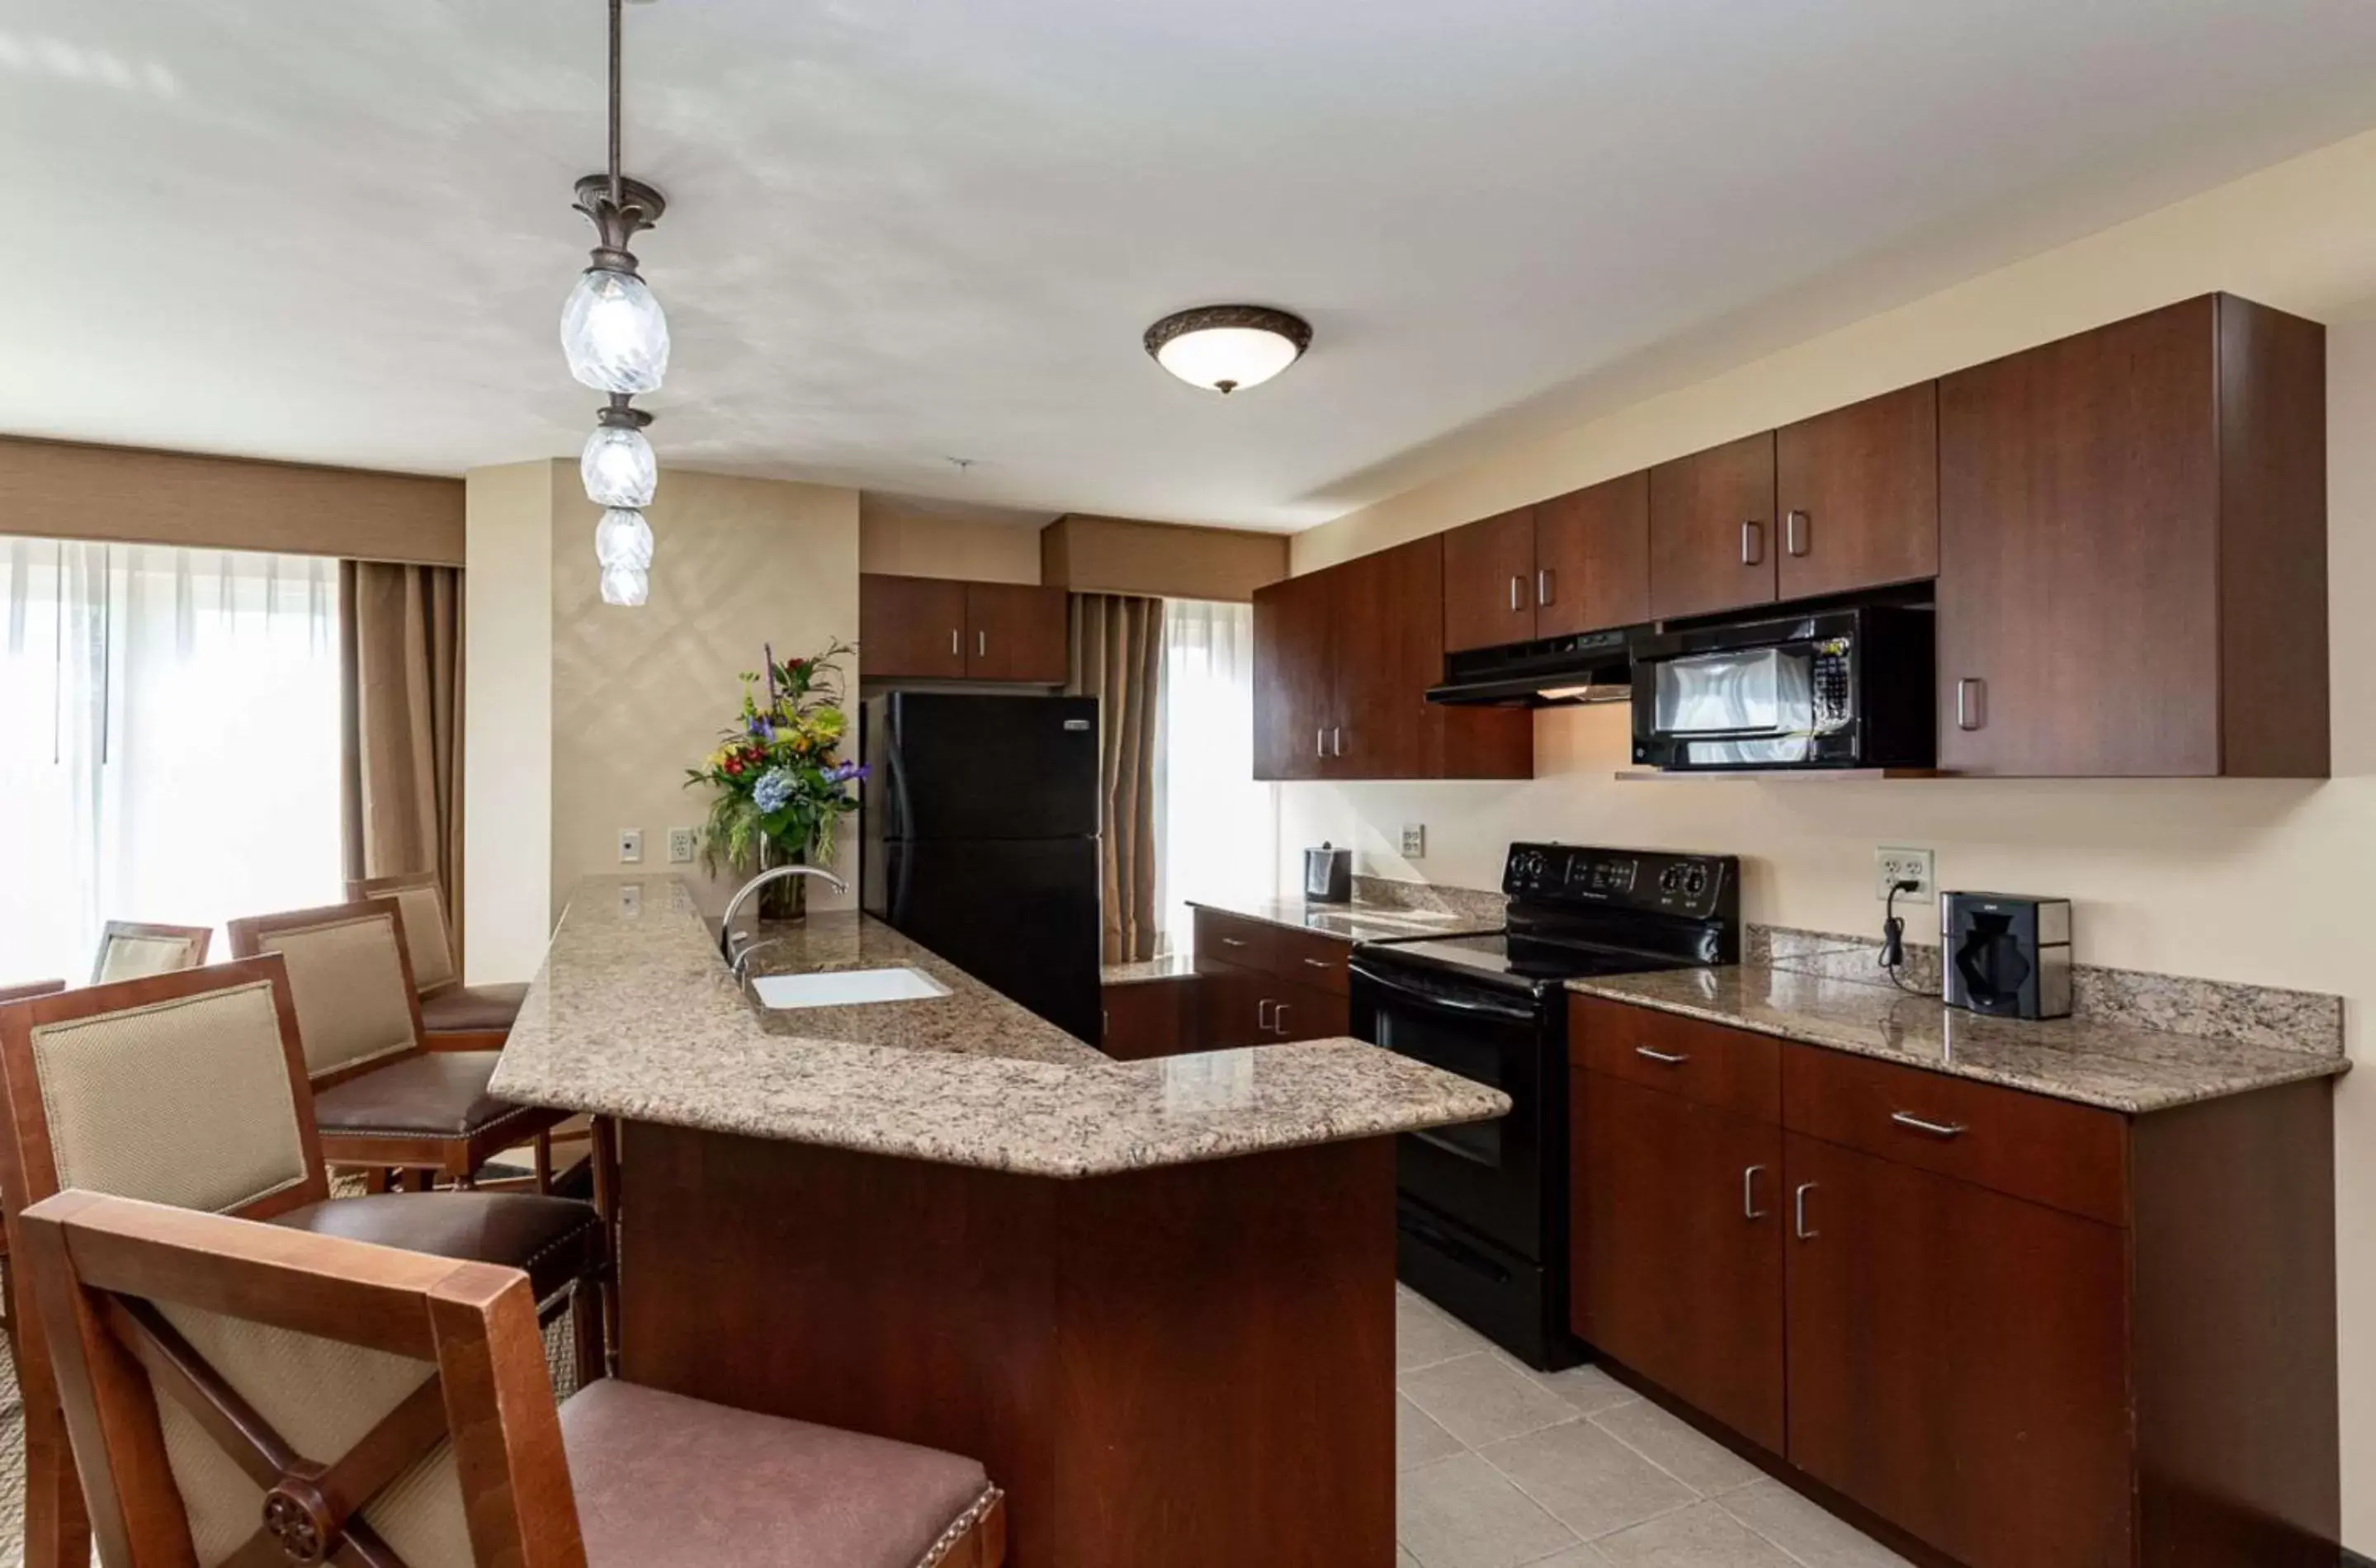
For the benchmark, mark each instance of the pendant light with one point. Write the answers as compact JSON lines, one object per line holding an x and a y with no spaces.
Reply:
{"x":616,"y":336}
{"x":1226,"y":348}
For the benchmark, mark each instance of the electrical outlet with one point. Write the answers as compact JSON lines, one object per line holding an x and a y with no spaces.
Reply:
{"x":631,"y":899}
{"x":1414,"y":840}
{"x":631,"y":845}
{"x":1893,"y":864}
{"x":679,"y":845}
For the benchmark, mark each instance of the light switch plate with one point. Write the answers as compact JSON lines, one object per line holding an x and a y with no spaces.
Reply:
{"x":1414,"y":840}
{"x":631,"y":845}
{"x":1894,"y":863}
{"x":679,"y":845}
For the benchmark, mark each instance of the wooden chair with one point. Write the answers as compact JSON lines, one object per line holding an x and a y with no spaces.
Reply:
{"x":240,"y":1394}
{"x":454,"y":1016}
{"x":31,"y":989}
{"x":384,"y":1101}
{"x":133,"y":949}
{"x":22,"y":992}
{"x":190,"y":1089}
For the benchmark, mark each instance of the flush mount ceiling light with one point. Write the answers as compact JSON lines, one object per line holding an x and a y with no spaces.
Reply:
{"x":616,"y":338}
{"x":1223,"y":347}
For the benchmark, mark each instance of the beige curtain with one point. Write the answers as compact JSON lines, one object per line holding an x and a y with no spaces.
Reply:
{"x":401,"y":632}
{"x":1118,"y":659}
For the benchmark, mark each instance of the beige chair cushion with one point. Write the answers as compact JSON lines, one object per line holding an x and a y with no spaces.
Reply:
{"x":424,"y":934}
{"x":321,"y":1396}
{"x":184,"y":1101}
{"x":347,"y":983}
{"x":135,"y":958}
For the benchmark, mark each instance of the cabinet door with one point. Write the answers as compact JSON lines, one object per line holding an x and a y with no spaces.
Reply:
{"x":1957,"y":1361}
{"x":1592,"y":558}
{"x":1294,"y":675}
{"x":2078,"y":555}
{"x":1233,"y":1007}
{"x":1146,"y":1019}
{"x":1389,"y":632}
{"x":1302,"y":1011}
{"x":1712,"y":543}
{"x":1857,"y":493}
{"x":1015,"y":632}
{"x":911,"y":627}
{"x":1677,"y":1247}
{"x":1488,"y":582}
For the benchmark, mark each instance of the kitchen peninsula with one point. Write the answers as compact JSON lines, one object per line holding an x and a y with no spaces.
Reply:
{"x":1154,"y":1299}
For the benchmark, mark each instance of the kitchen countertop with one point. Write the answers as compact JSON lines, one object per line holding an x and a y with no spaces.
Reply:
{"x":1359,"y":921}
{"x":2113,"y":1067}
{"x":1171,"y":965}
{"x":633,"y":1014}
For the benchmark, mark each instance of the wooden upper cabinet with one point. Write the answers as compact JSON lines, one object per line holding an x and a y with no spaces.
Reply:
{"x":1592,"y":558}
{"x":1488,"y":582}
{"x":1857,"y":493}
{"x":1712,"y":535}
{"x":1015,"y":632}
{"x":2132,"y":551}
{"x":911,"y":628}
{"x":1295,"y":675}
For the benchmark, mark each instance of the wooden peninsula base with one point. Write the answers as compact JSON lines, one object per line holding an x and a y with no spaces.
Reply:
{"x":1166,"y":1367}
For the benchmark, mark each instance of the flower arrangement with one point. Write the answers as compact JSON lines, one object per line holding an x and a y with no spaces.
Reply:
{"x":780,"y":787}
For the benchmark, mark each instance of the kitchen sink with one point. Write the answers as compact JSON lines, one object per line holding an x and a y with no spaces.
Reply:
{"x":847,"y":987}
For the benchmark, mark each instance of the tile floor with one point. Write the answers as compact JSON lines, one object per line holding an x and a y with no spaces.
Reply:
{"x":1502,"y":1466}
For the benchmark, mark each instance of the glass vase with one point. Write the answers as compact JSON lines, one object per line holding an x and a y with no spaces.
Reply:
{"x":786,"y":898}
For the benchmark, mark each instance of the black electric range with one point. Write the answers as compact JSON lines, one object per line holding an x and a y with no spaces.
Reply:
{"x":1482,"y":1209}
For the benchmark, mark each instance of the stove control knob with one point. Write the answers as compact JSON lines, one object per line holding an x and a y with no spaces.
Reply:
{"x":1671,"y":879}
{"x":1530,"y":866}
{"x":1695,"y":881}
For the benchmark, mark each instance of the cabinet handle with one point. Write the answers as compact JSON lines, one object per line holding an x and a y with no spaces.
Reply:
{"x":1337,"y":743}
{"x":1936,"y":1129}
{"x":1515,"y":580}
{"x":1262,"y":1014}
{"x":982,"y":645}
{"x":1545,"y":581}
{"x":1971,"y":703}
{"x":957,"y":649}
{"x":1319,"y":963}
{"x":1753,"y":542}
{"x":1664,"y":1058}
{"x":1231,"y":942}
{"x":1320,"y":742}
{"x":1798,"y":1212}
{"x":1278,"y":1019}
{"x":1794,"y":536}
{"x":1748,"y":1209}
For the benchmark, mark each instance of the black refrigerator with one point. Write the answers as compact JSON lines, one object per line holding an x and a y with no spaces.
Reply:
{"x":979,"y":821}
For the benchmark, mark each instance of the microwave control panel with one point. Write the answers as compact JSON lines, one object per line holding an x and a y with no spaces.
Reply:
{"x":1698,"y":887}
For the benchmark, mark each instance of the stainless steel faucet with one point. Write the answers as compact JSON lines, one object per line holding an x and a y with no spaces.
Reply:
{"x":738,"y":955}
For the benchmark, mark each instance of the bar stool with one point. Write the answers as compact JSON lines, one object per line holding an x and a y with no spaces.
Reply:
{"x":241,"y":1394}
{"x":454,"y":1016}
{"x":384,"y":1100}
{"x":190,"y":1089}
{"x":130,"y":949}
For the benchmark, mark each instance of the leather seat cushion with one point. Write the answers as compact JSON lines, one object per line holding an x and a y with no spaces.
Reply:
{"x":439,"y":1094}
{"x":553,"y":1241}
{"x":471,"y":1009}
{"x":664,"y":1481}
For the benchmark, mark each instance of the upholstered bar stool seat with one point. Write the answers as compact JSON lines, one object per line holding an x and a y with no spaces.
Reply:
{"x":440,"y":1095}
{"x":471,"y":1009}
{"x":664,"y":1481}
{"x":553,"y":1241}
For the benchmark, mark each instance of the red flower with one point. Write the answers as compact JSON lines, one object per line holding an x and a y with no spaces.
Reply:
{"x":733,"y":765}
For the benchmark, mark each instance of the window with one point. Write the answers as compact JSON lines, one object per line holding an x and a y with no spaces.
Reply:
{"x":169,"y":742}
{"x":1218,"y":828}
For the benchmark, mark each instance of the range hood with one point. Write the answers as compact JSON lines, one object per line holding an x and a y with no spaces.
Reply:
{"x":1591,"y":666}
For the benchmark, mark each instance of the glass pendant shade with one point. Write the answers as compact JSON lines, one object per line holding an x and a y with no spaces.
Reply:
{"x":618,"y":467}
{"x":614,"y":332}
{"x":622,"y":538}
{"x":629,"y":586}
{"x":1227,"y":359}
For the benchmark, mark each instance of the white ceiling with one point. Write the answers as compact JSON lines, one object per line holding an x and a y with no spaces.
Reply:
{"x":906,"y":231}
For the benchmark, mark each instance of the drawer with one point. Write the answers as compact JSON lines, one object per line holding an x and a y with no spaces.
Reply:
{"x":1242,"y":944}
{"x":1311,"y":958}
{"x":1730,"y":1069}
{"x":2073,"y":1157}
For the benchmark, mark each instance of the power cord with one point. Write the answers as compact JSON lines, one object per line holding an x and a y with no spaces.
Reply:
{"x":1893,"y":936}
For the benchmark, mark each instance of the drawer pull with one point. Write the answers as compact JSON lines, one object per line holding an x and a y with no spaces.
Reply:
{"x":1231,"y":942}
{"x":1278,"y":1019}
{"x":1262,"y":1014}
{"x":1936,"y":1129}
{"x":1320,"y":963}
{"x":1664,"y":1058}
{"x":1798,"y":1212}
{"x":1748,"y":1209}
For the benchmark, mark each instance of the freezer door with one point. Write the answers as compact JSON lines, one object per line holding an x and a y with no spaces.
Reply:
{"x":958,"y":766}
{"x":1021,"y":918}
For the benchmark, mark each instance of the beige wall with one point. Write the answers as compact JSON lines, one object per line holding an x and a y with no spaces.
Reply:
{"x":507,"y":720}
{"x":908,"y":541}
{"x":1092,"y":554}
{"x":2242,"y":880}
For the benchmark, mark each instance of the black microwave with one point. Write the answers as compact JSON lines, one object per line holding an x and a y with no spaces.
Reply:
{"x":1837,"y":688}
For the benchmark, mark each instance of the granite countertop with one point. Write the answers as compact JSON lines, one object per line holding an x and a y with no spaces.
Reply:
{"x":634,"y":1015}
{"x":1362,"y":919}
{"x":2115,"y":1066}
{"x":1171,"y":965}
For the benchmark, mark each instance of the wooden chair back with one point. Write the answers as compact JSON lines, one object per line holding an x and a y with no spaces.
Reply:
{"x":350,"y":973}
{"x":133,"y":949}
{"x":428,"y":935}
{"x":26,"y":990}
{"x":245,"y":1394}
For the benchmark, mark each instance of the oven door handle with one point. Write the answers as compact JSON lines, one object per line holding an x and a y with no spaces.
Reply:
{"x":1453,"y":1150}
{"x":1516,"y":1013}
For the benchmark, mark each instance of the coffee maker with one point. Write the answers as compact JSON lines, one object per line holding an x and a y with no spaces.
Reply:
{"x":2006,"y":955}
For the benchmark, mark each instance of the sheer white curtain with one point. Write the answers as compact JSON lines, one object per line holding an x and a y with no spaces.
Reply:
{"x":1219,"y":828}
{"x":169,"y":742}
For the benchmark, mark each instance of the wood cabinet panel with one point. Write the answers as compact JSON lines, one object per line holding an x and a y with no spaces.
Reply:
{"x":1311,"y":958}
{"x":1240,"y":1007}
{"x":1235,"y":940}
{"x":1857,"y":493}
{"x":1488,"y":582}
{"x":1592,"y":558}
{"x":1677,"y":1248}
{"x":1390,"y":643}
{"x":1957,"y":1361}
{"x":1150,"y":1019}
{"x":1729,"y":1069}
{"x":1712,"y":543}
{"x":911,"y":627}
{"x":1295,"y":674}
{"x":1301,"y":1011}
{"x":1015,"y":632}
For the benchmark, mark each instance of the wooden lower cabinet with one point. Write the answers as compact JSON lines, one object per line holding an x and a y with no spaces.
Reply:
{"x":1150,"y":1019}
{"x":1239,"y":1007}
{"x":1677,"y":1203}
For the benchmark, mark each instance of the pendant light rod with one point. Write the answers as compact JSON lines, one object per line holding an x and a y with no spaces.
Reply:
{"x":618,"y":191}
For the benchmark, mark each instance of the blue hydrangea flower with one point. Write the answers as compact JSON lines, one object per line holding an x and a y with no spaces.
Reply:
{"x":774,"y":788}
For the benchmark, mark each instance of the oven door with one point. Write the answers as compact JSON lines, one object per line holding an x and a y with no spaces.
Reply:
{"x":1485,"y":1175}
